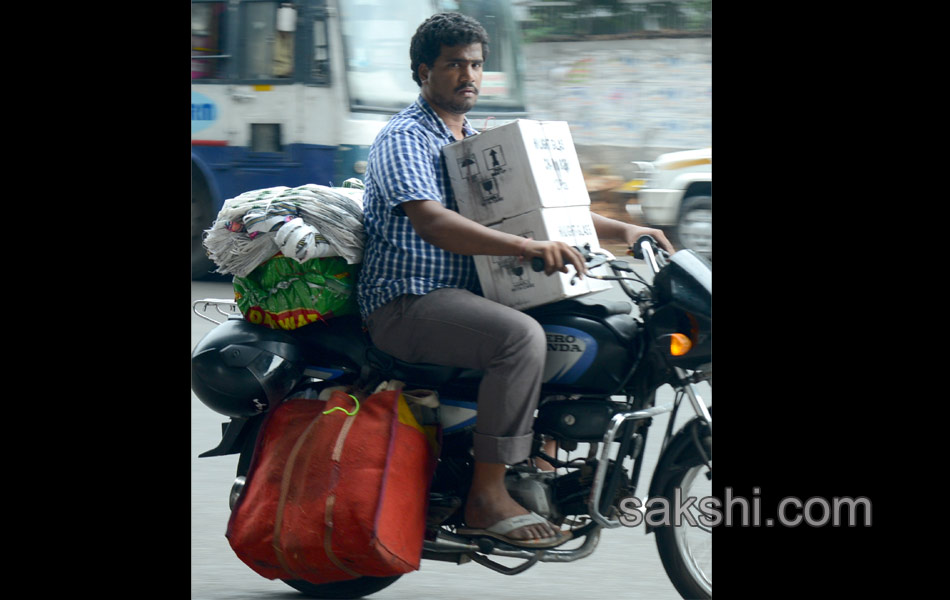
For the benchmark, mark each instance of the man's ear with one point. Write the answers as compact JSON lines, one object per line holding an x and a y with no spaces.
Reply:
{"x":423,"y":72}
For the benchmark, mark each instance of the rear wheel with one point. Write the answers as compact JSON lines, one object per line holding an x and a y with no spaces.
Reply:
{"x":694,"y":227}
{"x":353,"y":588}
{"x":686,"y":549}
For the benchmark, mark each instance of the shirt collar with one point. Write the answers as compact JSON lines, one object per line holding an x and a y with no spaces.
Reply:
{"x":438,"y":124}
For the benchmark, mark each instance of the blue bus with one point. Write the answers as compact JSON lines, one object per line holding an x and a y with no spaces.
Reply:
{"x":291,"y":93}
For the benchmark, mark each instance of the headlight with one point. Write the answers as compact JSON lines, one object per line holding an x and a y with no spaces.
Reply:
{"x":643,"y":171}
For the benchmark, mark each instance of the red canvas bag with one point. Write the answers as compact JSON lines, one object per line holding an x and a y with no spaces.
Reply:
{"x":336,"y":490}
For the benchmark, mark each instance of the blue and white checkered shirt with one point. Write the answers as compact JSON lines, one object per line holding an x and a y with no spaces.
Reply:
{"x":406,"y":164}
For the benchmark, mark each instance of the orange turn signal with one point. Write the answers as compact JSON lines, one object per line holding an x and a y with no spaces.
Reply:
{"x":680,"y":344}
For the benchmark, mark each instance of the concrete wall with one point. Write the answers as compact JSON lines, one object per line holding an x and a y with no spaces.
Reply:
{"x":625,"y":100}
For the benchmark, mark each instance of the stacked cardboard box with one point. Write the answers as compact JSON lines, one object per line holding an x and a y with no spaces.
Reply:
{"x":524,"y":178}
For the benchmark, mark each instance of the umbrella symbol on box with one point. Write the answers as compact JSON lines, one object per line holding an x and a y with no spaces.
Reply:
{"x":468,"y":165}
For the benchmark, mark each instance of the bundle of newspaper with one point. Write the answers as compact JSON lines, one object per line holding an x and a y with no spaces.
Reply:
{"x":310,"y":221}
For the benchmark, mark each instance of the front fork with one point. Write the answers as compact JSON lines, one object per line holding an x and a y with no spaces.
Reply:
{"x":698,"y":405}
{"x":600,"y":483}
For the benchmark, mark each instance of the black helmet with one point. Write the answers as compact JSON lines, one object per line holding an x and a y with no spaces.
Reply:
{"x":240,"y":369}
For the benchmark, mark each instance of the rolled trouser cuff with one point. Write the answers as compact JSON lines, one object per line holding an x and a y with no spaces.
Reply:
{"x":507,"y":450}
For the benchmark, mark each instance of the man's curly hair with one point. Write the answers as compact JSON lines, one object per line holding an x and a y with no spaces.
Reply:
{"x":450,"y":29}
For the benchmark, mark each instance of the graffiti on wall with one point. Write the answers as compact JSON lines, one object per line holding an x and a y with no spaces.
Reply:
{"x":627,"y":93}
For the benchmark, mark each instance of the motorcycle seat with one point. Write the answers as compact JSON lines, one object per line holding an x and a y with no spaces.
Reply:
{"x":413,"y":374}
{"x":438,"y":375}
{"x":344,"y":336}
{"x":339,"y":336}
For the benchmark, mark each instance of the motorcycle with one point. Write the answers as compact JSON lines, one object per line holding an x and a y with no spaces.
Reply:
{"x":605,"y":363}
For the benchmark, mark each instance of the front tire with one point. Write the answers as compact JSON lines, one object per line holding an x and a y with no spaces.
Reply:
{"x":686,"y":550}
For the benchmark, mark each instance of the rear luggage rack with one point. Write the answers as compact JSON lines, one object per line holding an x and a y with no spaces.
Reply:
{"x":202,"y":306}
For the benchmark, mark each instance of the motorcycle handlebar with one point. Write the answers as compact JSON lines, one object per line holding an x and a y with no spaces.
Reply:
{"x":645,"y":248}
{"x":643,"y":242}
{"x":537,"y":263}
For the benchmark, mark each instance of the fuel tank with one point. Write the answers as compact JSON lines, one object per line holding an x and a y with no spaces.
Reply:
{"x":592,"y":347}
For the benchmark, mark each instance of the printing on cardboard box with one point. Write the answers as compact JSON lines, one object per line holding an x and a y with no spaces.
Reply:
{"x":514,"y":168}
{"x":524,"y":178}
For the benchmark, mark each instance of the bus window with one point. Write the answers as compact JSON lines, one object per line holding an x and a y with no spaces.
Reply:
{"x":320,"y":63}
{"x":208,"y":43}
{"x":500,"y":87}
{"x":268,"y":40}
{"x":376,"y":36}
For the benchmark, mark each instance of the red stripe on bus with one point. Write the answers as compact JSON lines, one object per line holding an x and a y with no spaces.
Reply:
{"x":208,"y":143}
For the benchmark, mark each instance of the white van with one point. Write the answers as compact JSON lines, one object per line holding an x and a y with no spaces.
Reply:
{"x":676,"y":194}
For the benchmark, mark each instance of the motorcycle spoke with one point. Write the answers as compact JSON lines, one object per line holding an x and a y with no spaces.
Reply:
{"x":695,"y":541}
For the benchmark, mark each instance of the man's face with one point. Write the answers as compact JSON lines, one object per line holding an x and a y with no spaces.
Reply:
{"x":453,"y":82}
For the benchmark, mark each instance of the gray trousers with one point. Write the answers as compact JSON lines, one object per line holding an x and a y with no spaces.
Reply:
{"x":458,"y":328}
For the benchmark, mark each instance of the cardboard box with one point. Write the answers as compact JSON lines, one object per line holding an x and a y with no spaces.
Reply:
{"x":512,"y":282}
{"x":515,"y":168}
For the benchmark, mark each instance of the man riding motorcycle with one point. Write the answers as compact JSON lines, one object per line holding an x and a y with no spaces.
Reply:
{"x":419,"y":293}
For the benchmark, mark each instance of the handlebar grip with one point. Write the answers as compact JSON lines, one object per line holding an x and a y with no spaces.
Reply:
{"x":537,"y":263}
{"x":637,"y":247}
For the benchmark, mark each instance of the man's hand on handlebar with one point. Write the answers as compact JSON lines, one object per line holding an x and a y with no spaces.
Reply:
{"x":556,"y":256}
{"x":634,"y":232}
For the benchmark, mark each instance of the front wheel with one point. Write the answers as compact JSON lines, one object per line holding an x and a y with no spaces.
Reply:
{"x":686,"y":547}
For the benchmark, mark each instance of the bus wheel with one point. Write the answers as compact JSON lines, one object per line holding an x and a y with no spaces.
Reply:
{"x":201,"y":219}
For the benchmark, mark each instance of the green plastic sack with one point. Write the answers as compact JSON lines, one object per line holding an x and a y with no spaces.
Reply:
{"x":285,"y":294}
